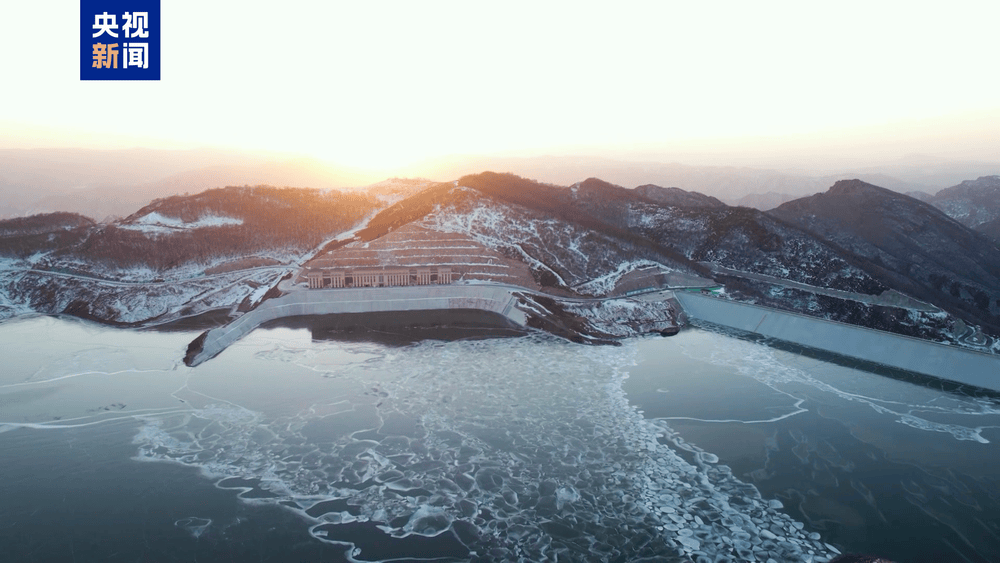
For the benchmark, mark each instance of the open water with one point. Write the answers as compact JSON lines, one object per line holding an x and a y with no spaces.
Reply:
{"x":699,"y":447}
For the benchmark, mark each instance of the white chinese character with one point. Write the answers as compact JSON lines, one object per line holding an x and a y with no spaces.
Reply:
{"x":104,"y":23}
{"x":136,"y":54}
{"x":137,"y":21}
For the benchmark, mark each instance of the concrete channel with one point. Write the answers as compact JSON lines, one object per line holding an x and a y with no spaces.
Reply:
{"x":912,"y":354}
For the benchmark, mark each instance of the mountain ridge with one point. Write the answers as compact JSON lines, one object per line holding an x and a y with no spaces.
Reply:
{"x":974,"y":203}
{"x":907,"y":243}
{"x":591,"y":238}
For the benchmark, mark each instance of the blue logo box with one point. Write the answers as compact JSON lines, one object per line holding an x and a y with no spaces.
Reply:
{"x":119,"y":39}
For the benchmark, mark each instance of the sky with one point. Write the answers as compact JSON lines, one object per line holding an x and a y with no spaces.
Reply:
{"x":385,"y":84}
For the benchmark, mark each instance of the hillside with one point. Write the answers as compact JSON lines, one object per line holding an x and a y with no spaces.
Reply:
{"x":990,"y":229}
{"x":973,"y":203}
{"x":834,"y":255}
{"x":595,"y":238}
{"x":748,"y":240}
{"x":176,"y":257}
{"x":586,"y":237}
{"x":25,"y":236}
{"x":908,"y":245}
{"x":569,"y":236}
{"x":557,"y":221}
{"x":212,"y":227}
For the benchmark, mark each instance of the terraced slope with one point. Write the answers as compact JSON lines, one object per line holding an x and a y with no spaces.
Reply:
{"x":414,"y":245}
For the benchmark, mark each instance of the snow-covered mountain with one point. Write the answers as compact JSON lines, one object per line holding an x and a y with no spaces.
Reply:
{"x":175,"y":257}
{"x":763,"y":202}
{"x":850,"y":254}
{"x":973,"y":203}
{"x":907,"y":245}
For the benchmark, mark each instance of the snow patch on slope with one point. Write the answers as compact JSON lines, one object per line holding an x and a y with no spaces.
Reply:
{"x":130,"y":302}
{"x":155,"y":223}
{"x":625,"y":317}
{"x":607,"y":283}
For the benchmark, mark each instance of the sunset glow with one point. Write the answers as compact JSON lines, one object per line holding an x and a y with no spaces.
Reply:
{"x":386,"y":86}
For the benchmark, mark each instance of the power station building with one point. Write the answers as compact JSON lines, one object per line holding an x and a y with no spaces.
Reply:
{"x":378,"y":277}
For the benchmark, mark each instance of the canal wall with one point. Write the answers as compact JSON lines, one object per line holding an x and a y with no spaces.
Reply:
{"x":496,"y":299}
{"x":903,"y":352}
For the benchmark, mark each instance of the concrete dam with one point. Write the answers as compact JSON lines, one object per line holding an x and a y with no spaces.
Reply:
{"x":911,"y":354}
{"x":483,"y":297}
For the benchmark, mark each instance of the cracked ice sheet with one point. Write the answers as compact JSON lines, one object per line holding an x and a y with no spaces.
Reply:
{"x":862,"y":451}
{"x":530,"y":441}
{"x":792,"y":380}
{"x":527,"y":444}
{"x":70,"y":373}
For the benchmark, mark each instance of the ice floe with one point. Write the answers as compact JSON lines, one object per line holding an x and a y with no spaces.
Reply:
{"x":523,"y":449}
